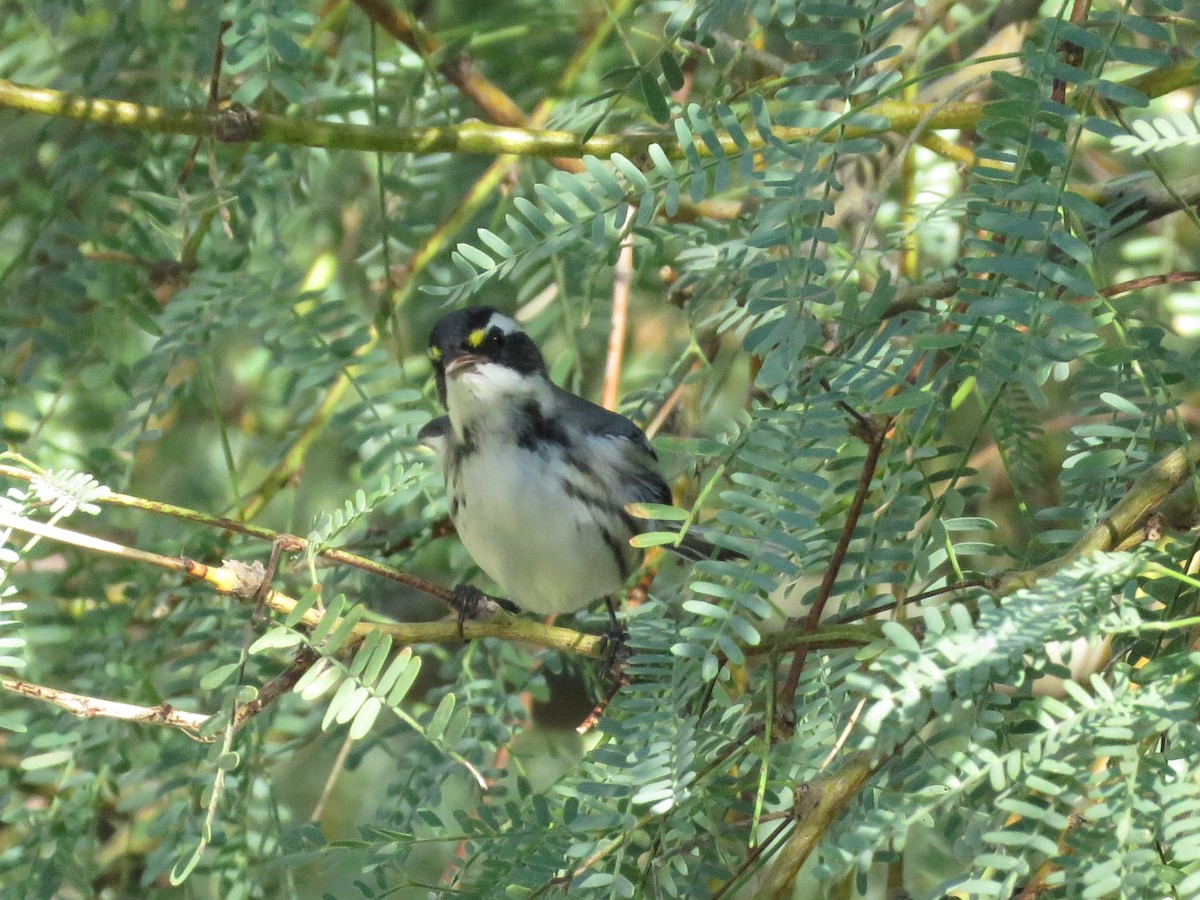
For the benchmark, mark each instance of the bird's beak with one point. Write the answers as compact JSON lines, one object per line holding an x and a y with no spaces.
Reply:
{"x":467,"y":362}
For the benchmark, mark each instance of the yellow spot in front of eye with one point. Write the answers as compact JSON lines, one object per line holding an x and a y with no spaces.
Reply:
{"x":435,"y":354}
{"x":475,"y":338}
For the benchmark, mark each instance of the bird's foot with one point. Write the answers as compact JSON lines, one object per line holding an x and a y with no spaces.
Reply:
{"x":472,"y":603}
{"x":467,"y":599}
{"x":614,"y":640}
{"x":614,"y":646}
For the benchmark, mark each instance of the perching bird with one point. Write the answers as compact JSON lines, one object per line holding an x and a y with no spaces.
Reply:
{"x":537,"y":478}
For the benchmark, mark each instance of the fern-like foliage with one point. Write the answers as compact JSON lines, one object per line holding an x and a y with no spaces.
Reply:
{"x":1059,"y":788}
{"x":64,"y":492}
{"x":12,"y":639}
{"x":61,"y":493}
{"x":887,"y":382}
{"x":1158,"y":134}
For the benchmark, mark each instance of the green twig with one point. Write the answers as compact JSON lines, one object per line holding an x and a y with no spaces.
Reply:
{"x":236,"y":124}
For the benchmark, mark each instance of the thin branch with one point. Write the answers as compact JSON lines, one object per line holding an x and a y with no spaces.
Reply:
{"x":214,"y":99}
{"x":855,"y":615}
{"x":95,"y":708}
{"x":875,"y":437}
{"x":766,"y":846}
{"x":100,"y":545}
{"x":234,"y":123}
{"x":845,"y":735}
{"x":290,"y":541}
{"x":668,"y":407}
{"x":459,"y":69}
{"x":238,"y":124}
{"x":828,"y":797}
{"x":1140,"y":284}
{"x":1147,"y":200}
{"x":622,"y":284}
{"x":339,"y":765}
{"x":1072,"y":52}
{"x":304,"y":660}
{"x":909,"y":297}
{"x":619,"y":680}
{"x":245,"y":580}
{"x":1147,"y":494}
{"x":704,"y":352}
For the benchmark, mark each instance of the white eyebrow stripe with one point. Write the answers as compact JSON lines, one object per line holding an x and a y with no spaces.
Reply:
{"x":504,"y":323}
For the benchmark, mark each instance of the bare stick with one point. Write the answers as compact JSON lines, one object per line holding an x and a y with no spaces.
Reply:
{"x":96,"y":708}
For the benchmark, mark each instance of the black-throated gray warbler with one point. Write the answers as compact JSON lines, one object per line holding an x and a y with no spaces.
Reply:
{"x":537,"y":478}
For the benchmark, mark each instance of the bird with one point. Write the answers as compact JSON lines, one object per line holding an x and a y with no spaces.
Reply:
{"x":538,"y":479}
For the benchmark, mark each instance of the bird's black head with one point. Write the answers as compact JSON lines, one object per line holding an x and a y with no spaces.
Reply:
{"x":465,"y":339}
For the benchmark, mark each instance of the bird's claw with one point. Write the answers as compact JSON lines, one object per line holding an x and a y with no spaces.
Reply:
{"x":614,"y":646}
{"x":466,"y":598}
{"x":472,"y":603}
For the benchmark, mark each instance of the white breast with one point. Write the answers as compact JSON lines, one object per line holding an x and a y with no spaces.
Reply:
{"x":550,"y":551}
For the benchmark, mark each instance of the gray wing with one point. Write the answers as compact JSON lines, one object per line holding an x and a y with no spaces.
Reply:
{"x":593,"y":419}
{"x":643,"y":478}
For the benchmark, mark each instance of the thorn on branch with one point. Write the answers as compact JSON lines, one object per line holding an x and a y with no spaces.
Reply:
{"x":867,"y":430}
{"x":805,"y":798}
{"x":167,"y":275}
{"x":1154,"y":527}
{"x":250,"y":577}
{"x":236,"y":124}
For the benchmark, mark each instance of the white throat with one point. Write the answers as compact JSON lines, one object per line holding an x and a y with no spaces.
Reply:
{"x":490,"y":391}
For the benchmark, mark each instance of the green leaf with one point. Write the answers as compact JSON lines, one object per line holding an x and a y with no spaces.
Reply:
{"x":307,"y":601}
{"x":228,"y":761}
{"x":404,"y":681}
{"x":183,"y":869}
{"x":374,"y":665}
{"x":659,"y":511}
{"x":441,"y":718}
{"x":49,"y":760}
{"x":329,"y":618}
{"x":495,"y":243}
{"x":393,"y":672}
{"x":344,"y":628}
{"x":363,"y":654}
{"x":900,"y":636}
{"x":636,"y":178}
{"x":704,"y":608}
{"x":672,"y":73}
{"x":655,"y":101}
{"x":475,"y":256}
{"x":365,"y":718}
{"x":317,"y":680}
{"x":278,"y":638}
{"x":604,"y":178}
{"x":213,"y":679}
{"x":344,"y":703}
{"x":653,"y":539}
